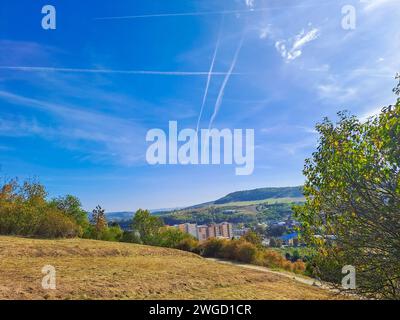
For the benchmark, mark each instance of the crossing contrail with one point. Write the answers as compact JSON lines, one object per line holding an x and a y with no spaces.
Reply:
{"x":205,"y":13}
{"x":112,"y":71}
{"x":210,"y":72}
{"x":226,"y":79}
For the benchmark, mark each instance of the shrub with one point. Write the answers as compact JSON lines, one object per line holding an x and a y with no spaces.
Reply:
{"x":113,"y":233}
{"x":72,"y":207}
{"x":246,"y":252}
{"x":272,"y":259}
{"x":229,"y":251}
{"x":25,"y":211}
{"x":54,"y":224}
{"x":169,"y":237}
{"x":213,"y":248}
{"x":253,"y":238}
{"x":129,"y":236}
{"x":299,"y":266}
{"x":188,"y":244}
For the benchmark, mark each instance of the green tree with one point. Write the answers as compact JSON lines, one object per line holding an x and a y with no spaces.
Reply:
{"x":146,"y":226}
{"x":113,"y":233}
{"x":25,"y":211}
{"x":172,"y":238}
{"x":352,"y":209}
{"x":253,"y":238}
{"x":72,"y":207}
{"x":213,"y":247}
{"x":246,"y":252}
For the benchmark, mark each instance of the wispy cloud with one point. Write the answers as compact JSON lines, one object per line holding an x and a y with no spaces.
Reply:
{"x":336,"y":91}
{"x":292,"y":48}
{"x":293,"y":147}
{"x":112,"y":137}
{"x":264,"y":32}
{"x":371,"y":5}
{"x":112,"y":71}
{"x":249,"y":4}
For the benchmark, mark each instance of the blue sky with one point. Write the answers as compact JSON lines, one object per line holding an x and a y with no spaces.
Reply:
{"x":76,"y":102}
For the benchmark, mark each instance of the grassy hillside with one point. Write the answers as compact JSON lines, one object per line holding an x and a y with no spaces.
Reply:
{"x":248,"y":212}
{"x":88,"y":269}
{"x":262,"y":194}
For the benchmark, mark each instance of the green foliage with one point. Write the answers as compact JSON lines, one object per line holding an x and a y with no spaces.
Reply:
{"x":129,"y":236}
{"x":25,"y":211}
{"x":72,"y":207}
{"x":276,"y":231}
{"x":54,"y":224}
{"x":247,"y":252}
{"x":174,"y":238}
{"x":189,"y":244}
{"x":146,"y":226}
{"x":213,"y":247}
{"x":274,"y":211}
{"x":249,"y":215}
{"x":353,"y":198}
{"x":253,"y":238}
{"x":113,"y":233}
{"x":261,"y":193}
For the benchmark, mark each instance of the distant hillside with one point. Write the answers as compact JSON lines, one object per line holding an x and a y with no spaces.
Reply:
{"x":121,"y":215}
{"x":128,"y":215}
{"x":249,"y":207}
{"x":259,"y":194}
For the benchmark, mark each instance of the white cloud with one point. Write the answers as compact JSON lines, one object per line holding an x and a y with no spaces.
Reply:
{"x":336,"y":91}
{"x":250,"y":3}
{"x":264,"y":32}
{"x":294,"y":147}
{"x":322,"y":68}
{"x":374,"y":4}
{"x":292,"y":48}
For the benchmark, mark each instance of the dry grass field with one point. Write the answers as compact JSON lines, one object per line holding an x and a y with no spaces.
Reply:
{"x":88,"y":269}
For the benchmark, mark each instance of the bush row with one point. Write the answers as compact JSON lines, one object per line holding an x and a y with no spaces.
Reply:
{"x":247,"y":252}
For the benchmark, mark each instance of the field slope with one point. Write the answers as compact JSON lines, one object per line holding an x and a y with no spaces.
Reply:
{"x":88,"y":269}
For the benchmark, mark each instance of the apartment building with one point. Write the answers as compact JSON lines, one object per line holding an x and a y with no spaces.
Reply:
{"x":226,"y":230}
{"x":190,"y":228}
{"x":204,"y":232}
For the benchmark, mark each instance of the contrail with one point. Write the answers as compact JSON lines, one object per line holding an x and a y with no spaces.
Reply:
{"x":205,"y":13}
{"x":210,"y":72}
{"x":134,"y":72}
{"x":226,"y":79}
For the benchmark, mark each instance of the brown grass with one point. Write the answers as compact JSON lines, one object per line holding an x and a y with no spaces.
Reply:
{"x":88,"y":269}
